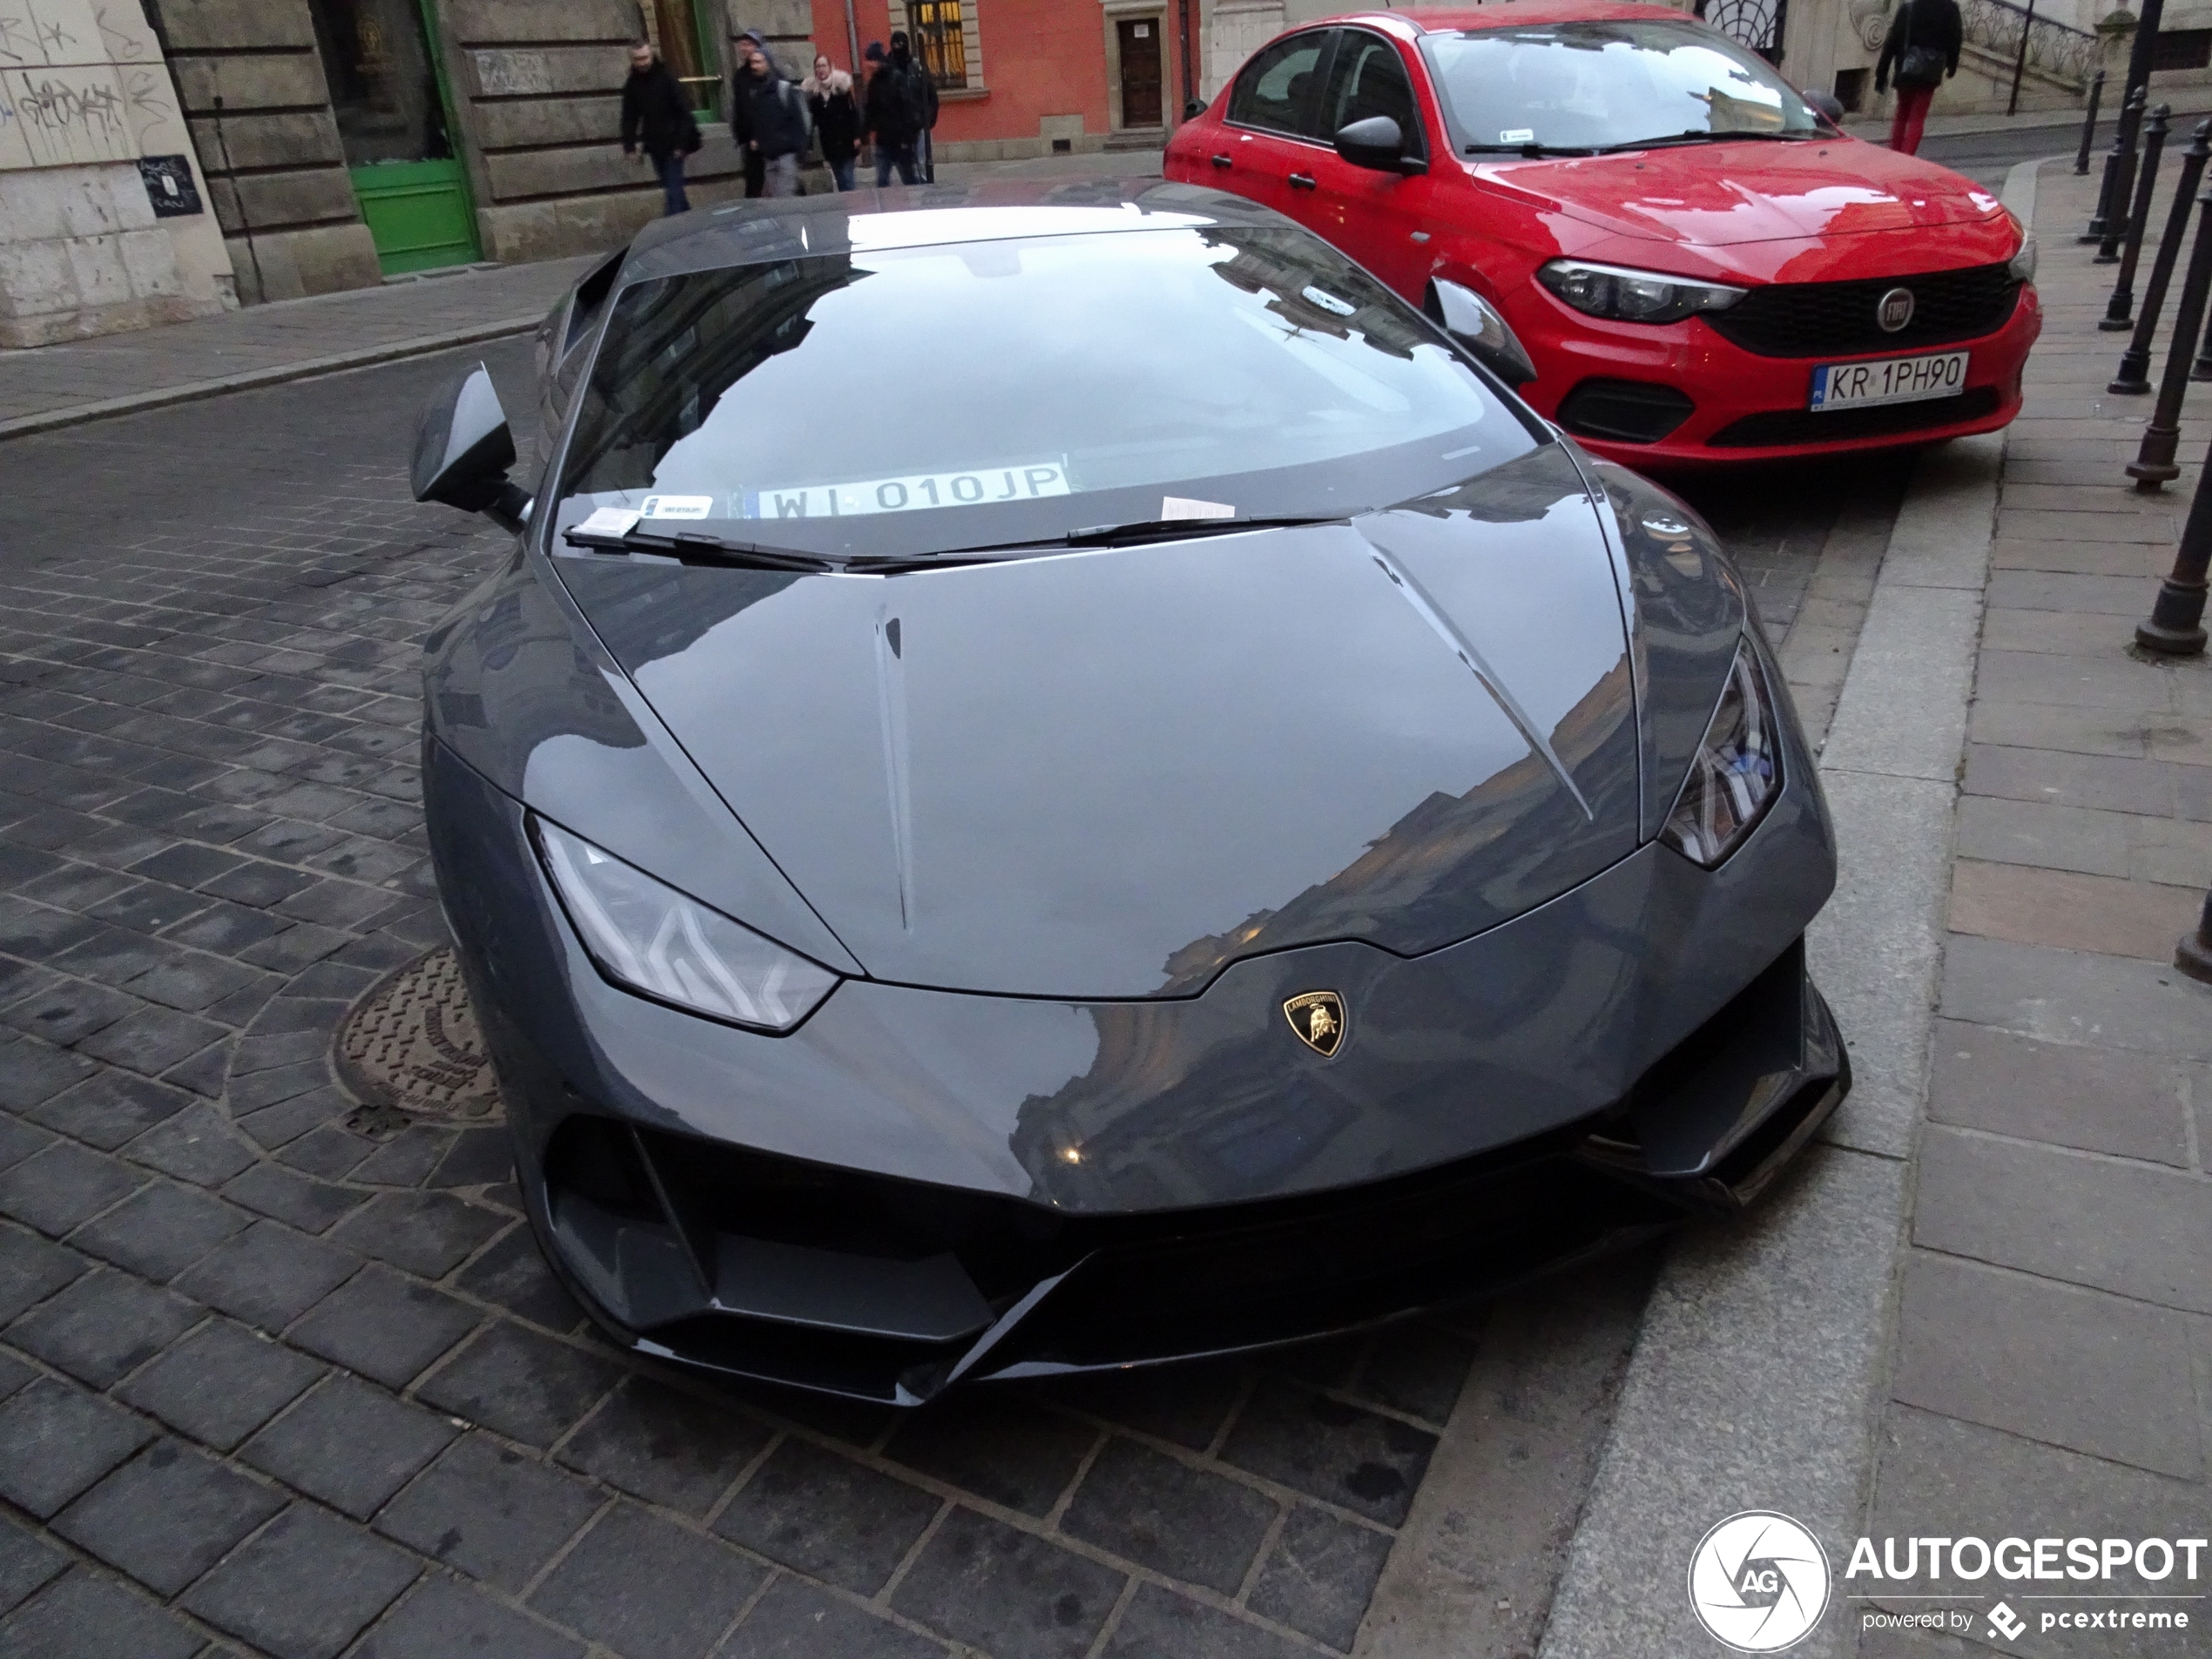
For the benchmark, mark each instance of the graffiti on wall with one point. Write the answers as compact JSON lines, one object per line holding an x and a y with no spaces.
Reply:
{"x":80,"y":82}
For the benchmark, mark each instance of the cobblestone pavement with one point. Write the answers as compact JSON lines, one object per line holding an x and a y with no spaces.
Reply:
{"x":283,"y":1376}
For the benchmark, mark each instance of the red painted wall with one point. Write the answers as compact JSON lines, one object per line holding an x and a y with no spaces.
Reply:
{"x":1040,"y":57}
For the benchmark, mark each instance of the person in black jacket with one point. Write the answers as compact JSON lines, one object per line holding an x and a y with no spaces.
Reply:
{"x":1923,"y":49}
{"x":656,"y":112}
{"x":768,"y":117}
{"x":893,"y":113}
{"x":837,"y":117}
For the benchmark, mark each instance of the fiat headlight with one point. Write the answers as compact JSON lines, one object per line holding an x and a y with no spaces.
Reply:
{"x":1614,"y":291}
{"x":1737,"y":771}
{"x":647,"y":937}
{"x":2021,"y":266}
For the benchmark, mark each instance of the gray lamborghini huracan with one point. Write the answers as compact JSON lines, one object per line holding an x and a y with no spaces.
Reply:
{"x":1057,"y":779}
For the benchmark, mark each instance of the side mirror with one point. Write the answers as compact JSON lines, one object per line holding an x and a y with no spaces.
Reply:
{"x":1827,"y":106}
{"x":1194,"y":109}
{"x":1475,"y":322}
{"x":1378,"y":144}
{"x":462,"y":450}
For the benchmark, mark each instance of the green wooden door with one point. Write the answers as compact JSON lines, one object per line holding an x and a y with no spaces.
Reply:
{"x":419,"y":213}
{"x":388,"y":95}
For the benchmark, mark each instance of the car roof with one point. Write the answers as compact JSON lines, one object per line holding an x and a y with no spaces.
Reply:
{"x":748,"y":233}
{"x":1519,"y":15}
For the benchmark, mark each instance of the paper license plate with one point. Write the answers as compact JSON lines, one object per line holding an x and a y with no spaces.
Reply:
{"x":1892,"y":380}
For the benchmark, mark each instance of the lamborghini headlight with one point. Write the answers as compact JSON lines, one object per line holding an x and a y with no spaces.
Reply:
{"x":648,"y":937}
{"x":1626,"y":295}
{"x":1737,"y":771}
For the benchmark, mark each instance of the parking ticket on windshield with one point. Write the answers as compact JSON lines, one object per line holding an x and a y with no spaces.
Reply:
{"x":1032,"y":481}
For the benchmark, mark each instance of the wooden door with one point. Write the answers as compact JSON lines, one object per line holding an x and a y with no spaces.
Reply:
{"x":1140,"y":43}
{"x":389,"y":101}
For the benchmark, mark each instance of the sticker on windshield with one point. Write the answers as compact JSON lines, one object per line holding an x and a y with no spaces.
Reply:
{"x":607,"y":521}
{"x":678,"y":507}
{"x":1031,"y":482}
{"x":1518,"y":135}
{"x":1174,"y":509}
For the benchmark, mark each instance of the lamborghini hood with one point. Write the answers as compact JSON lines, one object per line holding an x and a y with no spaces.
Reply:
{"x":1109,"y":773}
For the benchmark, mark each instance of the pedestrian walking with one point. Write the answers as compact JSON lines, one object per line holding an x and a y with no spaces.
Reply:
{"x":836,"y":112}
{"x":1923,"y":49}
{"x":768,"y":119}
{"x":894,"y":110}
{"x":926,"y":84}
{"x":656,"y":117}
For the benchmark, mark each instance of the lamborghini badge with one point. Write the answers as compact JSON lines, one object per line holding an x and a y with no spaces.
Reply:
{"x":1317,"y":1017}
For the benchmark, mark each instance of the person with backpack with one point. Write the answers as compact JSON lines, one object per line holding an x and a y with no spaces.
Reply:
{"x":895,"y":108}
{"x":837,"y":117}
{"x":655,"y":114}
{"x":768,"y":117}
{"x":1923,"y":47}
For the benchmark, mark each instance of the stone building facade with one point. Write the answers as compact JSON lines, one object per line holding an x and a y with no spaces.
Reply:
{"x":316,"y":122}
{"x":102,"y":212}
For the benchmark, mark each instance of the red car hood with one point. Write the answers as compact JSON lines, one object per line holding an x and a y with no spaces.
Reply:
{"x":1720,"y":195}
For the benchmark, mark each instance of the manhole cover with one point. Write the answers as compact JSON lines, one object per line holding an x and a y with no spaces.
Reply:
{"x":413,"y":1042}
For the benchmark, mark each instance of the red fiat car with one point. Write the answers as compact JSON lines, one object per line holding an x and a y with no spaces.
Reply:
{"x":1697,"y":266}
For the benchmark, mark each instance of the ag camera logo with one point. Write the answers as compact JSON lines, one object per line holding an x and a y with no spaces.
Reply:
{"x":1758,"y":1582}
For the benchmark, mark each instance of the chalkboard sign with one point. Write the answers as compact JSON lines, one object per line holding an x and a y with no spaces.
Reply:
{"x":170,"y":187}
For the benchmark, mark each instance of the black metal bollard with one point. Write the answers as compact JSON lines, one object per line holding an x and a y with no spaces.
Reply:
{"x":2194,"y":955}
{"x":2120,"y":174}
{"x":2175,"y":627}
{"x":2202,"y":370}
{"x":2123,"y":182}
{"x":2116,"y":315}
{"x":2089,"y":123}
{"x":2154,"y":461}
{"x":2134,"y":362}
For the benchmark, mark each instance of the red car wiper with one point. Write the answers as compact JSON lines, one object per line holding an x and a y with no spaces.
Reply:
{"x":1533,"y":152}
{"x":1707,"y":135}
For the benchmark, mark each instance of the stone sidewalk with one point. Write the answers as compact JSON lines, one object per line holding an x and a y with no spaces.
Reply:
{"x":2053,"y":1373}
{"x":87,"y":380}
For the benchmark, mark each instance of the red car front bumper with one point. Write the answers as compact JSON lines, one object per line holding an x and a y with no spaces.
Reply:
{"x":1748,"y":407}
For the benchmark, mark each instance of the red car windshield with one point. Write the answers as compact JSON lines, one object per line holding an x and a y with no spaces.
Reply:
{"x":1607,"y":86}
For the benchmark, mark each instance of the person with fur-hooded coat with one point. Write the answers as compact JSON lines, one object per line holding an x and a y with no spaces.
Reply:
{"x":837,"y":117}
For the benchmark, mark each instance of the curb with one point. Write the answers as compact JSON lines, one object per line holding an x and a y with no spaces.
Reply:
{"x":1759,"y":1375}
{"x":245,"y":380}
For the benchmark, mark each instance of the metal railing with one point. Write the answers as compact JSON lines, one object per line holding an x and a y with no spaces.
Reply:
{"x":2054,"y":49}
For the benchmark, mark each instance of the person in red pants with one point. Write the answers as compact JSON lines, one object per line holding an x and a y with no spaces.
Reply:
{"x":1922,"y":49}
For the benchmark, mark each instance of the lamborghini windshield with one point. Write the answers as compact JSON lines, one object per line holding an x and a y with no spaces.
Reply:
{"x":1607,"y":86}
{"x":907,"y":400}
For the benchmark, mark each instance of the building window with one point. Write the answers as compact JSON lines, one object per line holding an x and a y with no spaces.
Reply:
{"x":941,"y":40}
{"x":2182,"y":49}
{"x":675,"y":27}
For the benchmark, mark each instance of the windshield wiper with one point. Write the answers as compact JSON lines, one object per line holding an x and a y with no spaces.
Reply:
{"x":1707,"y":135}
{"x":1178,"y":530}
{"x":1533,"y":152}
{"x":701,"y":547}
{"x":1136,"y":533}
